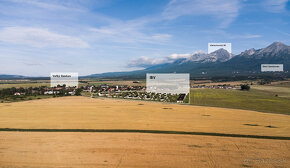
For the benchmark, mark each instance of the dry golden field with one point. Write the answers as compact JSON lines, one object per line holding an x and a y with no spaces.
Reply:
{"x":97,"y":149}
{"x":50,"y":149}
{"x":88,"y":113}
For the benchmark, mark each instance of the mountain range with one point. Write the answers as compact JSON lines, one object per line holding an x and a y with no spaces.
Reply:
{"x":218,"y":63}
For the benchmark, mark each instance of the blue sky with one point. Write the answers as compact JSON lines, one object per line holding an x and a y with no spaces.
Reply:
{"x":39,"y":37}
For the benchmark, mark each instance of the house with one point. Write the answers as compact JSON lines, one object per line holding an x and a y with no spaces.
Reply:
{"x":111,"y":89}
{"x":91,"y":88}
{"x":51,"y":92}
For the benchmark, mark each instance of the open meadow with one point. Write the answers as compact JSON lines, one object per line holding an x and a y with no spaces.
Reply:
{"x":270,"y":99}
{"x":27,"y":84}
{"x":38,"y":83}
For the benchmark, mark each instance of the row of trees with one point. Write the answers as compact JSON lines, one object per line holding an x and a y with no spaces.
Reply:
{"x":8,"y":92}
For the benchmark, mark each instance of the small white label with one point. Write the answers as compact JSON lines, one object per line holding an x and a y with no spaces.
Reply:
{"x":174,"y":83}
{"x":215,"y":46}
{"x":271,"y":67}
{"x":69,"y":79}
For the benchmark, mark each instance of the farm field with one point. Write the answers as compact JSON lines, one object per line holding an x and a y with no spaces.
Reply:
{"x":281,"y":91}
{"x":24,"y":85}
{"x":26,"y":98}
{"x":285,"y":83}
{"x":259,"y":98}
{"x":211,"y":83}
{"x":117,"y":82}
{"x":50,"y":149}
{"x":78,"y":112}
{"x":38,"y":83}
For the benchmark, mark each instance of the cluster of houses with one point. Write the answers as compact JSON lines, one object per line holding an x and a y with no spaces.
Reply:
{"x":58,"y":90}
{"x":141,"y":95}
{"x":132,"y":92}
{"x":109,"y":88}
{"x":43,"y":90}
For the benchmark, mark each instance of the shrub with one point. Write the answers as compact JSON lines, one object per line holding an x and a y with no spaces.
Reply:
{"x":245,"y":87}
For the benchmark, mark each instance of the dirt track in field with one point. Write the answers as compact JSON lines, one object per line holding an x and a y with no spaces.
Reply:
{"x":37,"y":149}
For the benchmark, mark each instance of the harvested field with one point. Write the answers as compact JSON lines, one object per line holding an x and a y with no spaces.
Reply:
{"x":89,"y":113}
{"x":35,"y":149}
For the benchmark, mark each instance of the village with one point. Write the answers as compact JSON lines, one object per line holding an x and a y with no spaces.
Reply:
{"x":110,"y":91}
{"x":42,"y":90}
{"x":139,"y":92}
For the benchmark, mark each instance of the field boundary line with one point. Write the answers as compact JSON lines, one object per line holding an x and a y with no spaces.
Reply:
{"x":145,"y":131}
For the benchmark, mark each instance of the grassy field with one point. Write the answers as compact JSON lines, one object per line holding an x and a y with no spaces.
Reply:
{"x":77,"y":112}
{"x":50,"y":149}
{"x":259,"y":98}
{"x":23,"y":98}
{"x":110,"y":82}
{"x":28,"y":83}
{"x":285,"y":83}
{"x":281,"y":91}
{"x":24,"y":85}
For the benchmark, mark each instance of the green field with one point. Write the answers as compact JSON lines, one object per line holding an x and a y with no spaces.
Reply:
{"x":24,"y":85}
{"x":281,"y":91}
{"x":11,"y":99}
{"x":38,"y":83}
{"x":261,"y":99}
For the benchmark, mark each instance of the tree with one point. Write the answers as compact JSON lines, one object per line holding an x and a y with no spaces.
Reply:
{"x":78,"y":92}
{"x":245,"y":87}
{"x":186,"y":99}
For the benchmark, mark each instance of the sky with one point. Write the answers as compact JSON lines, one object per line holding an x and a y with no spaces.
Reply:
{"x":96,"y":36}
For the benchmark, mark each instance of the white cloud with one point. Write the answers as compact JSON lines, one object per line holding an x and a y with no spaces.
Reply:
{"x":227,"y":35}
{"x":178,"y":56}
{"x":41,"y":4}
{"x":275,"y":6}
{"x":38,"y":37}
{"x":248,"y":36}
{"x":145,"y":62}
{"x":161,"y":37}
{"x":127,"y":33}
{"x":223,"y":10}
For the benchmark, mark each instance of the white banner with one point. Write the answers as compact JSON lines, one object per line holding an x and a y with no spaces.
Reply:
{"x":271,"y":67}
{"x":69,"y":79}
{"x":174,"y":83}
{"x":215,"y":46}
